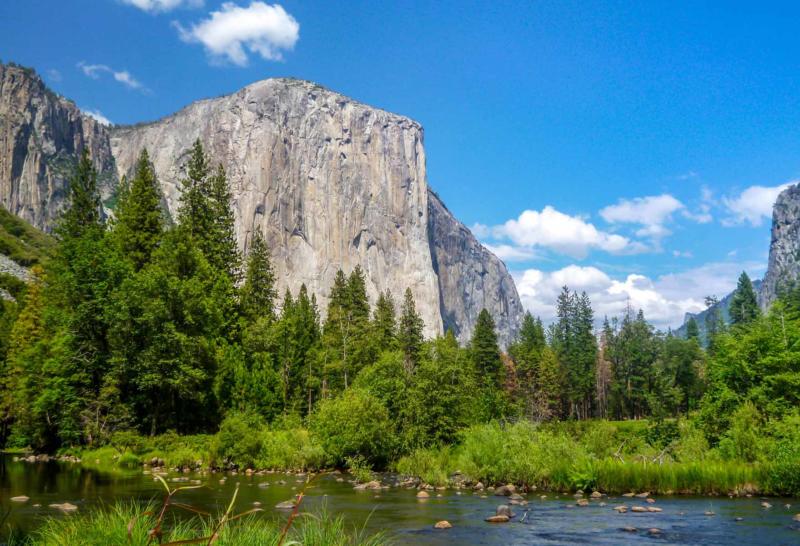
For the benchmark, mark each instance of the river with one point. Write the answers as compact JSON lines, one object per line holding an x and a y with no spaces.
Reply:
{"x":554,"y":520}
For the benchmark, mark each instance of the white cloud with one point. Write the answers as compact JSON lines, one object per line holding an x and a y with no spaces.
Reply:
{"x":97,"y":115}
{"x":651,"y":212}
{"x":664,"y":300}
{"x":509,"y":253}
{"x":562,"y":233}
{"x":154,"y":6}
{"x":263,"y":29}
{"x":124,"y":77}
{"x":752,"y":205}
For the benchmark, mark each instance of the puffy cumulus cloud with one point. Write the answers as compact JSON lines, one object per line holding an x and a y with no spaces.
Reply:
{"x":651,"y":212}
{"x":124,"y":77}
{"x":509,"y":253}
{"x":554,"y":230}
{"x":97,"y":115}
{"x":664,"y":300}
{"x":228,"y":34}
{"x":752,"y":205}
{"x":154,"y":6}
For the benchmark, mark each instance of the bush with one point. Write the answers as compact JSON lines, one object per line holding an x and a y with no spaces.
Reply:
{"x":289,"y":449}
{"x":129,"y":460}
{"x":238,"y":441}
{"x":355,"y":423}
{"x":742,"y":441}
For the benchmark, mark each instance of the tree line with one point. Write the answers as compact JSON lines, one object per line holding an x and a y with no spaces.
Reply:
{"x":138,"y":323}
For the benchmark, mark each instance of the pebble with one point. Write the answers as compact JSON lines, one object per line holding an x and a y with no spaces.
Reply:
{"x":638,"y":509}
{"x":621,"y":509}
{"x":651,"y":501}
{"x":582,"y":502}
{"x":444,"y":524}
{"x":766,"y":505}
{"x":498,"y":519}
{"x":653,"y":509}
{"x":64,"y":507}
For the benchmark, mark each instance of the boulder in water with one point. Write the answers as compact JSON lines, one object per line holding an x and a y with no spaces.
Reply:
{"x":444,"y":524}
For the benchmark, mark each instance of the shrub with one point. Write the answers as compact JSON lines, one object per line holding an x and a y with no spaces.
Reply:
{"x":129,"y":460}
{"x":355,"y":423}
{"x":742,"y":441}
{"x":238,"y":441}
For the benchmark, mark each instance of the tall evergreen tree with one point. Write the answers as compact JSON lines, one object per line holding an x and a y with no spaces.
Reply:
{"x":488,"y":365}
{"x":139,"y":220}
{"x":223,"y":252}
{"x":744,"y":305}
{"x":409,"y":333}
{"x":384,"y":322}
{"x":196,"y":214}
{"x":258,"y":292}
{"x":82,"y":217}
{"x":692,"y":329}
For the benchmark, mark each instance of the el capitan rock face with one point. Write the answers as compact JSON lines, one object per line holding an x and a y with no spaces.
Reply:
{"x":41,"y":135}
{"x":333,"y":183}
{"x":784,"y":249}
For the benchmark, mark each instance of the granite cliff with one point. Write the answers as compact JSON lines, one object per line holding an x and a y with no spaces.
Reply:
{"x":333,"y":183}
{"x":783,"y":267}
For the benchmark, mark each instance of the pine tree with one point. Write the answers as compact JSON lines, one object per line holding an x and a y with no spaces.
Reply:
{"x":195,"y":213}
{"x":83,"y":215}
{"x":692,"y":329}
{"x":384,"y":323}
{"x":223,"y":252}
{"x":744,"y":305}
{"x":488,"y":365}
{"x":139,"y":220}
{"x":409,"y":334}
{"x":258,"y":292}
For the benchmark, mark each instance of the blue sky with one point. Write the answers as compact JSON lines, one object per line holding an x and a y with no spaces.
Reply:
{"x":631,"y":149}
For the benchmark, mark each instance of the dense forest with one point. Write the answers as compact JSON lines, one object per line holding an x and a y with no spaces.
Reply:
{"x":142,"y":326}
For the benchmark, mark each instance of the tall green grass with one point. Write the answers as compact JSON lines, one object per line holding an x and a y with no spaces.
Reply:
{"x":614,"y":476}
{"x":109,"y":526}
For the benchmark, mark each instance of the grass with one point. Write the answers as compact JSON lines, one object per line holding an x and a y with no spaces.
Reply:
{"x":590,"y":456}
{"x":22,"y":242}
{"x":109,"y":526}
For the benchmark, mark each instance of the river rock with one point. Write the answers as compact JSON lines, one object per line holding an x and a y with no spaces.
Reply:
{"x":285,"y":505}
{"x":630,"y":529}
{"x":498,"y":519}
{"x":504,"y":510}
{"x":709,"y":513}
{"x":621,"y":509}
{"x":423,"y":495}
{"x":765,"y":505}
{"x":582,"y":502}
{"x":20,"y":498}
{"x":444,"y":524}
{"x":597,"y":495}
{"x":638,"y":509}
{"x":478,"y":486}
{"x":643,"y":495}
{"x":654,"y":531}
{"x":64,"y":507}
{"x":374,"y":484}
{"x":653,"y":509}
{"x":796,"y":517}
{"x":650,"y":501}
{"x":629,"y":495}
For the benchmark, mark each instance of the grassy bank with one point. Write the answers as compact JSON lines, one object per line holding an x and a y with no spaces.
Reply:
{"x":111,"y":526}
{"x":610,"y":457}
{"x":614,"y":457}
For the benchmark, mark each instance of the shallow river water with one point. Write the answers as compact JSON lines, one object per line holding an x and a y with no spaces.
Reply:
{"x":554,"y":520}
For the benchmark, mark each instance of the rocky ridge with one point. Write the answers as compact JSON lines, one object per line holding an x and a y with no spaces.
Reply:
{"x":333,"y":183}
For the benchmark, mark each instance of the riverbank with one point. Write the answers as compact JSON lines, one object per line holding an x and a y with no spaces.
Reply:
{"x":610,"y":457}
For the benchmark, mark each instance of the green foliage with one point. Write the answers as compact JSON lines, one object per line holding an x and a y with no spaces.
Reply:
{"x":488,"y":366}
{"x":409,"y":333}
{"x":238,"y":441}
{"x":132,"y":524}
{"x":139,"y":219}
{"x":22,"y":242}
{"x":744,"y":305}
{"x":258,"y":293}
{"x":355,"y":423}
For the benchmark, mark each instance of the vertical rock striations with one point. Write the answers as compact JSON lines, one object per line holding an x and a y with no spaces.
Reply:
{"x":41,"y":135}
{"x":333,"y":184}
{"x":470,"y":277}
{"x":783,"y":267}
